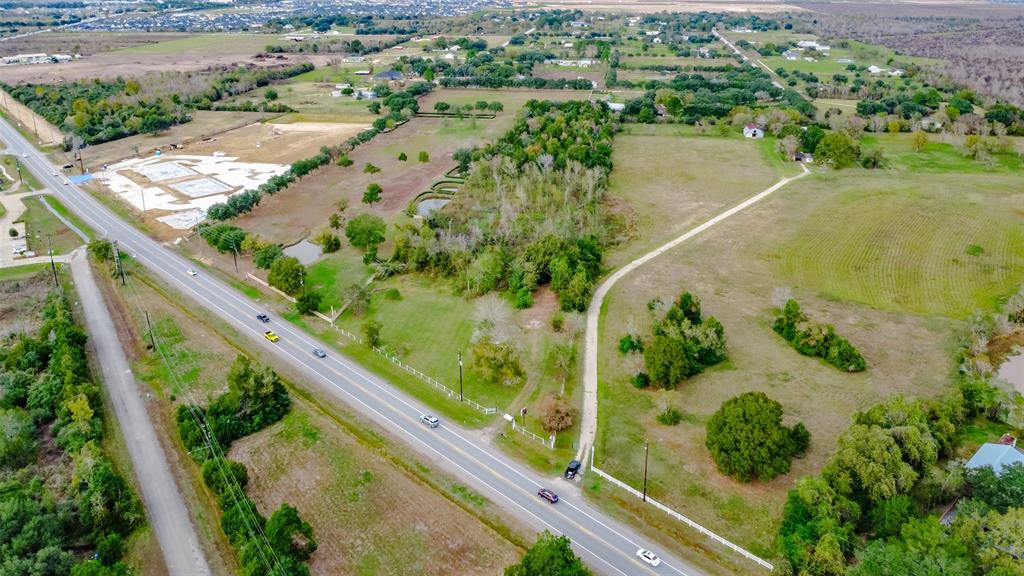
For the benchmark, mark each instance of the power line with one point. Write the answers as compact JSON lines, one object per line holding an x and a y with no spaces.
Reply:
{"x":216,"y":452}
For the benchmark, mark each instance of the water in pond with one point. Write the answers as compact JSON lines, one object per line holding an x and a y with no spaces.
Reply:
{"x":425,"y":207}
{"x":1012,"y":370}
{"x":305,"y":251}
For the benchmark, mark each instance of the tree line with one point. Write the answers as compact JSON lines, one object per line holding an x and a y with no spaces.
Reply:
{"x":51,"y":514}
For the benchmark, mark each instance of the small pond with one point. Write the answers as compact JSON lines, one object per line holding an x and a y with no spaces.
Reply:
{"x":1012,"y":371}
{"x":305,"y":251}
{"x":425,"y":207}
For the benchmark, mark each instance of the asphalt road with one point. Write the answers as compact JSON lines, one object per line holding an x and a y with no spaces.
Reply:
{"x":164,"y":505}
{"x":606,"y":545}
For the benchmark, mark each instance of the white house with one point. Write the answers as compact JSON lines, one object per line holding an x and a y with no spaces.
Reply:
{"x":813,"y":45}
{"x":997,"y":456}
{"x":753,"y":131}
{"x":616,"y":106}
{"x":875,"y":69}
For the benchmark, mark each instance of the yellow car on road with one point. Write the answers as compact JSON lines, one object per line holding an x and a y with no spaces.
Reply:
{"x":270,"y":335}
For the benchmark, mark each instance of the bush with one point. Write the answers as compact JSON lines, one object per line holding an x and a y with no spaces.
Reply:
{"x":402,"y":157}
{"x":328,"y":242}
{"x":369,"y":168}
{"x":555,"y":414}
{"x":684,"y":343}
{"x":110,"y":549}
{"x":264,"y":257}
{"x":630,"y":343}
{"x":308,"y":302}
{"x":641,"y":380}
{"x":392,"y":294}
{"x":101,"y":250}
{"x":424,"y":157}
{"x":222,"y":476}
{"x":18,"y":443}
{"x":371,"y":332}
{"x":287,"y":274}
{"x":558,"y":321}
{"x":747,"y":440}
{"x":819,"y":340}
{"x":523,"y":300}
{"x":372,"y":194}
{"x":670,"y":417}
{"x":344,"y":161}
{"x":290,"y":535}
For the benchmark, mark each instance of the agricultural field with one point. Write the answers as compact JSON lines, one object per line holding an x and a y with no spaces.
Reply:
{"x":84,"y":44}
{"x":896,"y":260}
{"x":313,"y":102}
{"x":205,"y":44}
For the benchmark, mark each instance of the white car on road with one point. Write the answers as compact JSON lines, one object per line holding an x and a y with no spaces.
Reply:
{"x":648,"y":557}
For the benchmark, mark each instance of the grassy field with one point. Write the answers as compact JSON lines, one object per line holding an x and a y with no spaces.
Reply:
{"x":356,"y":487}
{"x":369,"y":516}
{"x":894,"y":259}
{"x":70,"y":216}
{"x":41,"y":227}
{"x":946,"y":244}
{"x":11,"y":165}
{"x":936,"y":156}
{"x":22,"y":272}
{"x":205,"y":44}
{"x":672,"y":179}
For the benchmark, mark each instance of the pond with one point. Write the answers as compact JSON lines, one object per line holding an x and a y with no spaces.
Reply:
{"x":425,"y":207}
{"x":305,"y":251}
{"x":1012,"y":371}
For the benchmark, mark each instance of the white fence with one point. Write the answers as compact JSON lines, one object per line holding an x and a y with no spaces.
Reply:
{"x":677,"y":515}
{"x":531,"y":435}
{"x":452,"y":394}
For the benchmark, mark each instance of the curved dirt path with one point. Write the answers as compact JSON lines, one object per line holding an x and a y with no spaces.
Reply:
{"x":588,"y":422}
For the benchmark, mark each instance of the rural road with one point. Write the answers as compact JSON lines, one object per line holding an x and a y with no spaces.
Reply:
{"x":605,"y":544}
{"x":588,"y":420}
{"x":164,"y":506}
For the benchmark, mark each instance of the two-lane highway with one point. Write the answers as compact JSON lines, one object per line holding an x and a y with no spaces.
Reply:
{"x":605,"y":544}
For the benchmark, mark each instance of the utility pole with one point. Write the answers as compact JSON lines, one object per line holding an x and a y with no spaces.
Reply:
{"x":21,"y":178}
{"x":460,"y":376}
{"x":53,"y":267}
{"x":152,"y":341}
{"x":646,"y":450}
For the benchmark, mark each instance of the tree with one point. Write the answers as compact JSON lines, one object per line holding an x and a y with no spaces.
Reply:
{"x":372,"y":194}
{"x":555,"y":414}
{"x":270,"y":94}
{"x":402,"y":157}
{"x":369,"y":168}
{"x":869,"y":466}
{"x":374,"y":107}
{"x":810,"y":138}
{"x":308,"y":302}
{"x":371,"y":331}
{"x":18,"y":443}
{"x":747,"y":440}
{"x":265,"y":256}
{"x":289,"y":534}
{"x":424,"y":157}
{"x":365,"y":231}
{"x":550,"y":556}
{"x":442,"y":106}
{"x":836,"y":150}
{"x":287,"y":274}
{"x":222,"y":475}
{"x":918,"y":140}
{"x":328,"y":242}
{"x":335,"y":221}
{"x":357,"y":298}
{"x":497,"y":363}
{"x":1000,"y":491}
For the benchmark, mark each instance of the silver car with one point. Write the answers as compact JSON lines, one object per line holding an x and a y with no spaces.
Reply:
{"x":429,"y":420}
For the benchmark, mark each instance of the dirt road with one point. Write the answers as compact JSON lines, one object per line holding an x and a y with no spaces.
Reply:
{"x":164,"y":505}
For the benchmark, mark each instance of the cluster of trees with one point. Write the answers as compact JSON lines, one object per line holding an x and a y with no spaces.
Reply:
{"x":884,"y":476}
{"x":83,"y":503}
{"x":256,"y":398}
{"x":100,"y":111}
{"x":490,"y":69}
{"x":479,"y":106}
{"x":818,"y":340}
{"x":747,"y":439}
{"x":683,"y":343}
{"x":490,"y":239}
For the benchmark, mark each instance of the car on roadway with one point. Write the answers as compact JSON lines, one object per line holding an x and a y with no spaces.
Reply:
{"x":648,"y":557}
{"x":263,"y":318}
{"x":24,"y":154}
{"x":429,"y":420}
{"x":67,"y":182}
{"x":192,"y":272}
{"x":319,"y":353}
{"x":548,"y":495}
{"x":271,"y":335}
{"x":54,"y":172}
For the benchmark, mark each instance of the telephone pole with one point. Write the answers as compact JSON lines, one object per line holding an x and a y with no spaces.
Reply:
{"x":460,"y":376}
{"x":152,"y":341}
{"x":53,"y":267}
{"x":118,"y":264}
{"x":646,"y":450}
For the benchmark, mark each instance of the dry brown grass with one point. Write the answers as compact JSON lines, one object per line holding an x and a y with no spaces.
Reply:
{"x":368,"y":516}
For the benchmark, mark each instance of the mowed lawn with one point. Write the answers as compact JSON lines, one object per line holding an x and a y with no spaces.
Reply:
{"x":368,"y":515}
{"x":672,"y":180}
{"x":944,"y":244}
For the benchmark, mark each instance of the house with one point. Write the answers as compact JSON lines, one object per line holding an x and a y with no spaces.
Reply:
{"x":753,"y":131}
{"x":996,"y":456}
{"x":657,"y":40}
{"x":652,"y":32}
{"x":363,"y":94}
{"x":813,"y":45}
{"x":790,"y":55}
{"x":803,"y":157}
{"x":389,"y":76}
{"x":875,"y":69}
{"x":362,"y":72}
{"x":578,"y":24}
{"x":897,"y":72}
{"x":566,"y":44}
{"x":616,"y":106}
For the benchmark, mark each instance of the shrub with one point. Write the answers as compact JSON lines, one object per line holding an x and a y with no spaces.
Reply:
{"x":524,"y":299}
{"x":344,"y":161}
{"x":402,"y":157}
{"x":222,"y":475}
{"x":371,"y":331}
{"x":328,"y":242}
{"x":392,"y":294}
{"x":308,"y":302}
{"x":558,"y":321}
{"x":18,"y":443}
{"x":369,"y":168}
{"x":641,"y":380}
{"x":264,"y":257}
{"x":630,"y":343}
{"x":670,"y":417}
{"x":819,"y":340}
{"x":555,"y":414}
{"x":497,"y":363}
{"x":287,"y":274}
{"x":372,"y":194}
{"x":424,"y":157}
{"x":684,"y":343}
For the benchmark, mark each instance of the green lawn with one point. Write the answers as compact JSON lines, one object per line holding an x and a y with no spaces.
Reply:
{"x":21,"y":272}
{"x":335,"y":74}
{"x":69,"y":216}
{"x":11,"y":165}
{"x":936,"y":157}
{"x":926,"y":243}
{"x":41,"y":227}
